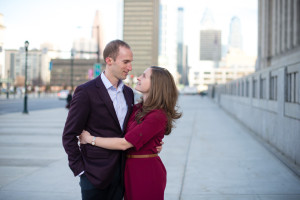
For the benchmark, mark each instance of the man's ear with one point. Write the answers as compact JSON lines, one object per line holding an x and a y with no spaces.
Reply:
{"x":108,"y":60}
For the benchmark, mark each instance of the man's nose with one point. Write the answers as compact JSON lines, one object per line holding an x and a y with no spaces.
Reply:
{"x":129,"y":67}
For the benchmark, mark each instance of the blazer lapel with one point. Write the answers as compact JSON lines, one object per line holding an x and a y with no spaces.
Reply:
{"x":129,"y":101}
{"x":102,"y":92}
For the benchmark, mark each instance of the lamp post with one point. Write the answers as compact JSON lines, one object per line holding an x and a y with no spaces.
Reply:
{"x":25,"y":111}
{"x":98,"y":45}
{"x":7,"y":91}
{"x":72,"y":68}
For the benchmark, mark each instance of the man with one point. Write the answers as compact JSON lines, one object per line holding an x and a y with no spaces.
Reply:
{"x":101,"y":106}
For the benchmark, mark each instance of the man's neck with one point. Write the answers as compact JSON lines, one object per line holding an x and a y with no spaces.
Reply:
{"x":113,"y":80}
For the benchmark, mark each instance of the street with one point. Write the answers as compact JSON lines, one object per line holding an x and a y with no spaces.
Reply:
{"x":14,"y":105}
{"x":208,"y":156}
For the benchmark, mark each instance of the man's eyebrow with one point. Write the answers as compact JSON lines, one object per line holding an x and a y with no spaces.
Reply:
{"x":127,"y":60}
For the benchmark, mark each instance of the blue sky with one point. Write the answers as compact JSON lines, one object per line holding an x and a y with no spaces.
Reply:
{"x":57,"y":21}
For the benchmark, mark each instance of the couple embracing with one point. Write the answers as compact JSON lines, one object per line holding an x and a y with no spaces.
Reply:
{"x":120,"y":141}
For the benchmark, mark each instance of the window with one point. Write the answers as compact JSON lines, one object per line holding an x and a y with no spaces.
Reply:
{"x":247,"y":88}
{"x":254,"y":90}
{"x":243,"y":89}
{"x":273,"y":88}
{"x":263,"y":88}
{"x":291,"y":87}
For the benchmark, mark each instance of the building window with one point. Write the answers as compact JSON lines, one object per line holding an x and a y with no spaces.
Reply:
{"x":254,"y":90}
{"x":227,"y":88}
{"x":292,"y":87}
{"x":247,"y":88}
{"x":243,"y":89}
{"x":263,"y":88}
{"x":273,"y":88}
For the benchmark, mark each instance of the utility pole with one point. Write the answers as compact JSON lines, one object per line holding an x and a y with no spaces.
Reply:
{"x":7,"y":84}
{"x":25,"y":111}
{"x":72,"y":66}
{"x":98,"y":45}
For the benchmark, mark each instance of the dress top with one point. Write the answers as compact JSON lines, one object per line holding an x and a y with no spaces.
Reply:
{"x":148,"y":134}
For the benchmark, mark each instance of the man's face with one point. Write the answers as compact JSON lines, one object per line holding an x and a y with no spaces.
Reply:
{"x":120,"y":67}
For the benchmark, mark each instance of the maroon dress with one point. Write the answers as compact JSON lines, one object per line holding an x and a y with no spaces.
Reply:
{"x":145,"y":178}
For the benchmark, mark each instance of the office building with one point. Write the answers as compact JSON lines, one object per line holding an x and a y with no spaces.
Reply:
{"x":182,"y":67}
{"x":234,"y":65}
{"x":210,"y":45}
{"x":98,"y":35}
{"x":15,"y":65}
{"x":61,"y":73}
{"x":168,"y":38}
{"x":140,"y":31}
{"x":235,"y":34}
{"x":2,"y":29}
{"x":85,"y":48}
{"x":210,"y":39}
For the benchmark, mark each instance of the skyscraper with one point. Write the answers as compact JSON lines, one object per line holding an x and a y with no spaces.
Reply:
{"x":140,"y":31}
{"x":235,"y":35}
{"x":168,"y":37}
{"x":97,"y":33}
{"x":2,"y":28}
{"x":181,"y":49}
{"x":210,"y":45}
{"x":210,"y":39}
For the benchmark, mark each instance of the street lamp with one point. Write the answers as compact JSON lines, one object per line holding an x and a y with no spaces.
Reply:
{"x":8,"y":90}
{"x":25,"y":111}
{"x":72,"y":68}
{"x":98,"y":45}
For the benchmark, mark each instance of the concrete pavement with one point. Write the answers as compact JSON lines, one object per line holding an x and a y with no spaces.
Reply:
{"x":208,"y":156}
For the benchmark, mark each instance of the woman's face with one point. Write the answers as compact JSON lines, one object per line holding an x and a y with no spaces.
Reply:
{"x":144,"y":81}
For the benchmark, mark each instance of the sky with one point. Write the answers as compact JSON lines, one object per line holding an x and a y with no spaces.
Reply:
{"x":61,"y":21}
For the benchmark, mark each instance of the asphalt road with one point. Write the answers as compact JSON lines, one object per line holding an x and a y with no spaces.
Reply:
{"x":17,"y":105}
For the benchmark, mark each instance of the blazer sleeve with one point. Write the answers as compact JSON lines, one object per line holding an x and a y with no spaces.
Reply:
{"x":153,"y":124}
{"x":75,"y":123}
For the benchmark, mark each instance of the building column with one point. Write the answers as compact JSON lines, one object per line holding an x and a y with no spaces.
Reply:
{"x":289,"y":31}
{"x":278,"y":26}
{"x":274,"y":28}
{"x":295,"y":23}
{"x":283,"y":26}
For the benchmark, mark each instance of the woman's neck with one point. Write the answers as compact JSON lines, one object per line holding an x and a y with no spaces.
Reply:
{"x":145,"y":97}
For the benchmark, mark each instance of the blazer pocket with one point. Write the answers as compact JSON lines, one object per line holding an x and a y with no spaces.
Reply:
{"x":95,"y":152}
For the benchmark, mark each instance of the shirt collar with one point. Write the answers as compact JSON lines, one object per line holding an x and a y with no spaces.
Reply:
{"x":108,"y":84}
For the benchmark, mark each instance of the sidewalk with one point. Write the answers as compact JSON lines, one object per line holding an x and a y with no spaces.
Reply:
{"x":30,"y":95}
{"x":209,"y":156}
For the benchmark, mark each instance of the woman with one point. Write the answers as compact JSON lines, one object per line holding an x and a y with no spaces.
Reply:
{"x":151,"y":119}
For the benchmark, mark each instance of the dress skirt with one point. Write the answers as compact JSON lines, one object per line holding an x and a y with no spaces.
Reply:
{"x":145,"y":179}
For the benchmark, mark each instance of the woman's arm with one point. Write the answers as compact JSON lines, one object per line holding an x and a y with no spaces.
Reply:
{"x":106,"y":143}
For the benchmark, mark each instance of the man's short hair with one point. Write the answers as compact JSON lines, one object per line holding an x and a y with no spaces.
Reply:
{"x":112,"y":49}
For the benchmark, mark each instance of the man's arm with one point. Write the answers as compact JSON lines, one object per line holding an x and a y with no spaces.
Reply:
{"x":74,"y":125}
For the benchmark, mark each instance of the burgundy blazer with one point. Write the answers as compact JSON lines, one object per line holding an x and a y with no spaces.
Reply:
{"x":92,"y":110}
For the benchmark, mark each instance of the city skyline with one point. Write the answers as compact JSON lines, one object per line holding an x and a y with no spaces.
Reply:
{"x":40,"y":22}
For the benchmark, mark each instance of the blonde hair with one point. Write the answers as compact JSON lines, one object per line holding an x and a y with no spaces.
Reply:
{"x":163,"y":95}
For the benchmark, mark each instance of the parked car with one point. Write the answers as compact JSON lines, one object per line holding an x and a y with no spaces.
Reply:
{"x":63,"y":94}
{"x":189,"y":90}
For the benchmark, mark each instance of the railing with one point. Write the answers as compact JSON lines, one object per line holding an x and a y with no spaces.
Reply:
{"x":268,"y":103}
